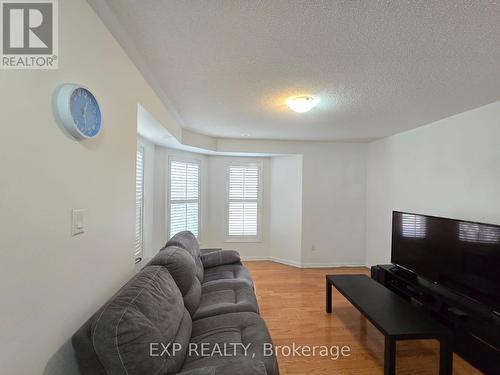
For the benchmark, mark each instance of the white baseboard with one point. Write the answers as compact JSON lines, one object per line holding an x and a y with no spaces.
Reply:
{"x":286,"y":262}
{"x":331,"y":265}
{"x":254,"y":258}
{"x":294,"y":263}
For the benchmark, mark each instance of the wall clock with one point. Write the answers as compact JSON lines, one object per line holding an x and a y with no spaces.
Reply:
{"x":78,"y":111}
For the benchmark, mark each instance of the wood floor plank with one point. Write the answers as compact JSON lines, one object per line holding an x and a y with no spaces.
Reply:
{"x":292,"y":302}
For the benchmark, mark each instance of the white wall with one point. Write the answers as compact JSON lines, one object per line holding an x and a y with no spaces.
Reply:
{"x":449,"y":168}
{"x":149,"y":203}
{"x":333,"y":205}
{"x":285,"y":226}
{"x":50,"y":282}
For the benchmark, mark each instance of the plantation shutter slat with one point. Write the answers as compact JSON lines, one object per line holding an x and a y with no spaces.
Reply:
{"x":139,"y":203}
{"x":243,"y":201}
{"x":184,"y":197}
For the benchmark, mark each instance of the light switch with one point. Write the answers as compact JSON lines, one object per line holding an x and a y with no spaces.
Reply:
{"x":78,"y":222}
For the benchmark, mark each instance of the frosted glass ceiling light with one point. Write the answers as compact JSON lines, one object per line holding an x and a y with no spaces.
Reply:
{"x":302,"y":104}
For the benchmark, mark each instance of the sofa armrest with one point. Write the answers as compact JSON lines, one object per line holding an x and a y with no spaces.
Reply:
{"x":219,"y":258}
{"x":238,"y":366}
{"x":206,"y":251}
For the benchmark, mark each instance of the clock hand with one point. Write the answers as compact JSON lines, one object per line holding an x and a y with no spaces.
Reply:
{"x":85,"y":113}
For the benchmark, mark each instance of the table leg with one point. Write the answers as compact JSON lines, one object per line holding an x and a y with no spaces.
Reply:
{"x":328,"y":297}
{"x":390,"y":356}
{"x":445,"y":357}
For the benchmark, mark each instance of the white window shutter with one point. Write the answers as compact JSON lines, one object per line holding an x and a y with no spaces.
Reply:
{"x":139,"y":203}
{"x":243,"y":206}
{"x":184,"y":197}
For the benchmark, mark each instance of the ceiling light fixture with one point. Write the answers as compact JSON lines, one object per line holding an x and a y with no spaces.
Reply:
{"x":302,"y":104}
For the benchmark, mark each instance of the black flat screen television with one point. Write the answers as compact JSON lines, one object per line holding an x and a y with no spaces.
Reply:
{"x":461,"y":255}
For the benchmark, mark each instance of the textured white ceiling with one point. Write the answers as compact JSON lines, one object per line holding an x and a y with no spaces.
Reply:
{"x":378,"y":67}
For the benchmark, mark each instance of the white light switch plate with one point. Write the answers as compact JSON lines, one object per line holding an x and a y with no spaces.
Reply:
{"x":78,"y":221}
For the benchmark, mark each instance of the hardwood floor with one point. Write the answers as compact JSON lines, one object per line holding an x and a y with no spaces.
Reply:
{"x":292,"y":302}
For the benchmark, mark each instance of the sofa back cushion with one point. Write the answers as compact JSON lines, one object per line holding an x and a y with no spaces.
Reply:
{"x":146,"y":313}
{"x":187,"y":241}
{"x":180,"y":264}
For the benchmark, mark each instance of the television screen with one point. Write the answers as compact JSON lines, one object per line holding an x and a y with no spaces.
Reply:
{"x":462,"y":255}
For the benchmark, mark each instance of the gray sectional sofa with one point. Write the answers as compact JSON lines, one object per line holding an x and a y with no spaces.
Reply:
{"x":187,"y":312}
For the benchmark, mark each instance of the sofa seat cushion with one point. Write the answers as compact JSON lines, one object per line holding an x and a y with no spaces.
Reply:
{"x":227,"y":334}
{"x":219,"y":257}
{"x":228,"y":272}
{"x":221,"y":298}
{"x":241,"y":366}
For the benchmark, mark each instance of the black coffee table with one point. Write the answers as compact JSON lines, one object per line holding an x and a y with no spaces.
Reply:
{"x":393,"y":316}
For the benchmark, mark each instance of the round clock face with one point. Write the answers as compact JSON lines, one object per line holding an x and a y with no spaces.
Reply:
{"x":85,"y":112}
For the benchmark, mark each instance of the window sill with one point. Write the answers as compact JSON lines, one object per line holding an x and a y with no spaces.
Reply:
{"x":243,"y":240}
{"x":141,"y":264}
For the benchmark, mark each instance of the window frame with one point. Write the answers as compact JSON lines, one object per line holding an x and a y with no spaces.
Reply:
{"x":170,"y":160}
{"x":140,"y":148}
{"x":249,"y":239}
